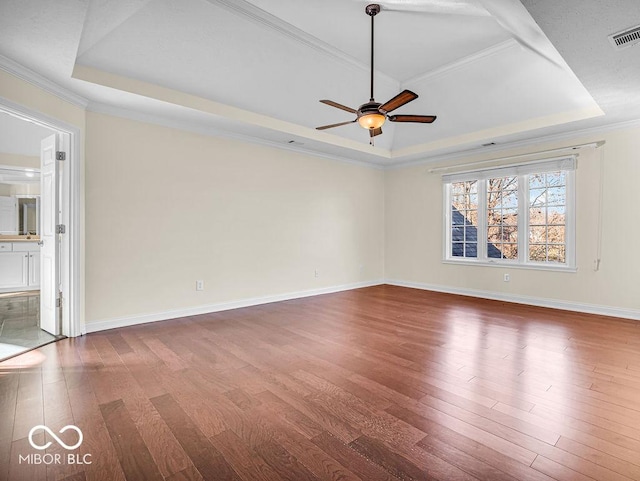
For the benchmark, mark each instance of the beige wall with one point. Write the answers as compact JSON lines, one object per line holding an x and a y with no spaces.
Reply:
{"x":166,"y":208}
{"x":15,"y":160}
{"x":414,"y":232}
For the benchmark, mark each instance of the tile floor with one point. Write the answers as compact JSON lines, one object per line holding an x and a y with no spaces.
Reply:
{"x":19,"y":331}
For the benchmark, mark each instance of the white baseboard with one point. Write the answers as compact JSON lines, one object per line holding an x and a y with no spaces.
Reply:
{"x":102,"y":325}
{"x":529,"y":300}
{"x":255,"y":301}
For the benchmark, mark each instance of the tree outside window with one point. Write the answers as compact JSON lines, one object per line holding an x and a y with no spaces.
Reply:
{"x":518,"y":217}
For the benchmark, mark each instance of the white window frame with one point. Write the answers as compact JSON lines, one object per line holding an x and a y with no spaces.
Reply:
{"x":522,"y":171}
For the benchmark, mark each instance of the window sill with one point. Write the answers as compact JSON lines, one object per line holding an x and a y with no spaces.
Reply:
{"x":510,"y":265}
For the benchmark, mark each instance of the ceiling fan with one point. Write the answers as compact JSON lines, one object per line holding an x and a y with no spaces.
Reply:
{"x":372,"y":115}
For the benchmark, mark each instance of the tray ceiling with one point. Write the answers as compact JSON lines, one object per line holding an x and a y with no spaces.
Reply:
{"x":258,"y":68}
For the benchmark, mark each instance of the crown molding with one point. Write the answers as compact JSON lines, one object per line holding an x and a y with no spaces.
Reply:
{"x":464,"y":62}
{"x":250,"y":12}
{"x":460,"y":154}
{"x":230,"y":112}
{"x":199,"y":128}
{"x":28,"y":75}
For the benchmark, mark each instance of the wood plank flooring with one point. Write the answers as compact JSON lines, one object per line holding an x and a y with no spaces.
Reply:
{"x":382,"y":383}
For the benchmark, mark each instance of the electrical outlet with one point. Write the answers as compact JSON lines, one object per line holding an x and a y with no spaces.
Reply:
{"x":507,"y":277}
{"x":199,"y":285}
{"x":316,"y":273}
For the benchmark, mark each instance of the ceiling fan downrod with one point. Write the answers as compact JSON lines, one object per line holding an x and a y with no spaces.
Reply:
{"x":372,"y":10}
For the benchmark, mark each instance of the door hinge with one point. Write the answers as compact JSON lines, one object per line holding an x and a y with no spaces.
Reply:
{"x":59,"y":300}
{"x":61,"y":229}
{"x":61,"y":156}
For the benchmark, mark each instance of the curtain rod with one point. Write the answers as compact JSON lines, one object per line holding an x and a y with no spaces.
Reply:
{"x":473,"y":164}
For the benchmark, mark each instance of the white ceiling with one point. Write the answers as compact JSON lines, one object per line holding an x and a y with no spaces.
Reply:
{"x":256,"y":69}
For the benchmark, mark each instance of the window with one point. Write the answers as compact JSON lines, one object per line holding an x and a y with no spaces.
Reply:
{"x":548,"y":217}
{"x":519,"y":215}
{"x":502,"y":218}
{"x":464,"y":219}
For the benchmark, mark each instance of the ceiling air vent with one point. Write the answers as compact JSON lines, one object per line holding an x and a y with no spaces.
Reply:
{"x":625,"y":39}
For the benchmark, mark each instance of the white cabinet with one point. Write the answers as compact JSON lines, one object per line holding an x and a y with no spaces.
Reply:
{"x":19,"y":266}
{"x":14,"y":270}
{"x":34,"y":269}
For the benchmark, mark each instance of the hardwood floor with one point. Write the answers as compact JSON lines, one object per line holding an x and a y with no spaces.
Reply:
{"x":382,"y":383}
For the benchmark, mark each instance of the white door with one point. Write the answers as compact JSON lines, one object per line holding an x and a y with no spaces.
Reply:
{"x":49,"y":215}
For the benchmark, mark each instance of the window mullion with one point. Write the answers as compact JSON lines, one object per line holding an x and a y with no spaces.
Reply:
{"x":446,"y":195}
{"x":523,"y":218}
{"x":482,"y":220}
{"x":570,"y":219}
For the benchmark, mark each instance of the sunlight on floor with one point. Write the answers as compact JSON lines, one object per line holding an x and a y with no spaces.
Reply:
{"x":22,"y":361}
{"x":7,"y":350}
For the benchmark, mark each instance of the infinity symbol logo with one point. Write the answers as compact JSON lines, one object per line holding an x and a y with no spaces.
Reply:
{"x":52,"y":434}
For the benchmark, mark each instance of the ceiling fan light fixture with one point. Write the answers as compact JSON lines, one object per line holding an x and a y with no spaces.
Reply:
{"x":371,"y":121}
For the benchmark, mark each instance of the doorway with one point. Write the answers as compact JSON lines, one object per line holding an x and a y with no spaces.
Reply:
{"x":21,"y":236}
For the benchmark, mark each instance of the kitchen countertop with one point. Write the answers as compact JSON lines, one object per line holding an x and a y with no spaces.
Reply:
{"x":19,"y":238}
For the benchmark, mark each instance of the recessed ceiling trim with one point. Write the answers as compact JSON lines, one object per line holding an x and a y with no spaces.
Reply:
{"x":464,"y":61}
{"x":198,"y":128}
{"x":101,"y":19}
{"x":164,"y":94}
{"x":28,"y":75}
{"x":533,"y":141}
{"x":498,"y":131}
{"x":250,"y":12}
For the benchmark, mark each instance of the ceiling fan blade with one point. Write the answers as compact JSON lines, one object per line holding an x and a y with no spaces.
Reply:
{"x":324,"y":127}
{"x":423,"y":119}
{"x":399,"y":100}
{"x":337,"y":105}
{"x":374,"y":132}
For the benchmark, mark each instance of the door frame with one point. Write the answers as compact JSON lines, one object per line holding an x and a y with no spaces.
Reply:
{"x":71,"y":247}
